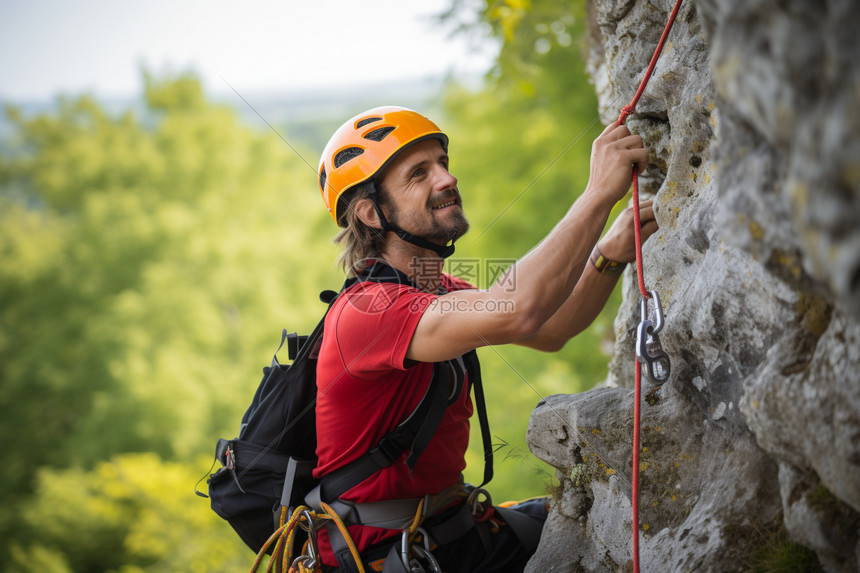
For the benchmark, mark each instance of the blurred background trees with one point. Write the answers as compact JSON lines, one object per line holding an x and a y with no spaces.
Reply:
{"x":149,"y":259}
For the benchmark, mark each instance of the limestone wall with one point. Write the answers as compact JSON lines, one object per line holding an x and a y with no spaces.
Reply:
{"x":753,"y":123}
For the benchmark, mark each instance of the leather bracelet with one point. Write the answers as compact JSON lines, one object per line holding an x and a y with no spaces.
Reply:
{"x":603,"y":265}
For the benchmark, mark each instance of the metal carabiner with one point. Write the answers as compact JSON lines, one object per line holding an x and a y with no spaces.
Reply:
{"x":425,"y":554}
{"x":658,"y":311}
{"x":303,"y":563}
{"x":649,"y":351}
{"x":411,"y":565}
{"x":423,"y":551}
{"x":313,"y":550}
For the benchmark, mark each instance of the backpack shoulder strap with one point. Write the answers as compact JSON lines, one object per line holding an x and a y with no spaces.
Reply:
{"x":473,"y":367}
{"x":413,"y":434}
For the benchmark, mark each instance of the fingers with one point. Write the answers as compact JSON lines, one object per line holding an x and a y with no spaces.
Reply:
{"x":639,"y":159}
{"x":630,"y":141}
{"x":615,"y":132}
{"x":646,"y":211}
{"x":647,"y":218}
{"x":649,"y":229}
{"x":634,"y":146}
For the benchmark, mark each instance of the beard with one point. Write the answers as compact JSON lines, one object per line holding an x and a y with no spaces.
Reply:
{"x":431,"y":226}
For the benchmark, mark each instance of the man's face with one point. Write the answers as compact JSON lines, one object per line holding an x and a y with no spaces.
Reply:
{"x":421,"y":194}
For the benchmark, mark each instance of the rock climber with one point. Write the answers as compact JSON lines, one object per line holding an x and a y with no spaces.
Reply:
{"x":385,"y":179}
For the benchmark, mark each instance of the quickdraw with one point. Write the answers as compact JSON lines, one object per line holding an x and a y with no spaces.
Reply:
{"x":649,"y":351}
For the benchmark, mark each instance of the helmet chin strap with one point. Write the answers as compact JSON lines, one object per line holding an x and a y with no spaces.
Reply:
{"x":444,"y":251}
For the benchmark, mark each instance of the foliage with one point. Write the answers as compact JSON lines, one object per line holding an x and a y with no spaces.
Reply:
{"x":148,"y":264}
{"x":778,"y":554}
{"x":131,"y":514}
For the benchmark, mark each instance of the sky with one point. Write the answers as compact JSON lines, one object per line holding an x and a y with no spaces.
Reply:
{"x":52,"y":47}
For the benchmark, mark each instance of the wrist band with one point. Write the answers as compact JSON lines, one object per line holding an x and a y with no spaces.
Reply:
{"x":605,"y":266}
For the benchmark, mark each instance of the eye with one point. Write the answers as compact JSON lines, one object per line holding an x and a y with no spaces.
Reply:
{"x":418,"y":173}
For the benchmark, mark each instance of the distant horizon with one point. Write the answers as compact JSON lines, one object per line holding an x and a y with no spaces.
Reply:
{"x":222,"y":92}
{"x":295,"y":109}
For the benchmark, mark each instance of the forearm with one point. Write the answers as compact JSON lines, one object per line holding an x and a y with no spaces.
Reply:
{"x":588,"y":298}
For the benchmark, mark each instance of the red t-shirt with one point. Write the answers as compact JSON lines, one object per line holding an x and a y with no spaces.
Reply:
{"x":364,"y":391}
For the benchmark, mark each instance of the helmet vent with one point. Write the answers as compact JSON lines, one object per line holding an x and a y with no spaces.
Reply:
{"x":322,"y":178}
{"x":366,"y":120}
{"x":347,"y":154}
{"x":378,"y":134}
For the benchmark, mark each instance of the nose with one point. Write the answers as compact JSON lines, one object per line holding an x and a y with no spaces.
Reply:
{"x":444,"y":179}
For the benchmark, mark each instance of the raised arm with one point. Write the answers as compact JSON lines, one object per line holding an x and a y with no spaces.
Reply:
{"x":591,"y":292}
{"x":461,"y":321}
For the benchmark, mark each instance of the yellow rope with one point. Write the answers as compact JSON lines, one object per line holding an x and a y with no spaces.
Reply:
{"x":343,"y":531}
{"x":262,"y":552}
{"x":283,"y":531}
{"x":284,"y":540}
{"x":416,"y":521}
{"x":298,"y":515}
{"x":517,"y":502}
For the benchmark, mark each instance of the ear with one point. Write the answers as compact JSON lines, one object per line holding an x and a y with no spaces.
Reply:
{"x":366,"y":212}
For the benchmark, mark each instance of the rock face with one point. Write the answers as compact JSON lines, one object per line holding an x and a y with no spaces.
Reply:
{"x":752,"y":119}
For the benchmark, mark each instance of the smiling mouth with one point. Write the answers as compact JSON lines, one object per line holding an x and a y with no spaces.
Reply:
{"x":446,"y":204}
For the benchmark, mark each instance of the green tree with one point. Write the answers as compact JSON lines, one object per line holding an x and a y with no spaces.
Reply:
{"x":127,"y":515}
{"x":147,"y":265}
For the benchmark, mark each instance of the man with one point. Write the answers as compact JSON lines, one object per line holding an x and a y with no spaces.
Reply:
{"x":384,"y":178}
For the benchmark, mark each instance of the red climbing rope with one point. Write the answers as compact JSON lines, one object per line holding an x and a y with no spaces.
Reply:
{"x":625,"y":112}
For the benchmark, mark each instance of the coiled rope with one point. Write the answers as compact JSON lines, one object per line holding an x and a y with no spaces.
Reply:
{"x":283,"y":538}
{"x":625,"y":112}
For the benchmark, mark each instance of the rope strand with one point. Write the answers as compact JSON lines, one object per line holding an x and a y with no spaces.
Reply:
{"x":626,"y":111}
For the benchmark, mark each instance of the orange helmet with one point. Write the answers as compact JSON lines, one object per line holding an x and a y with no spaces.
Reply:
{"x":363,"y":146}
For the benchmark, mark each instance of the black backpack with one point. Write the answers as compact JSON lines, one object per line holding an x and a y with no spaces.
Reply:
{"x":268,"y":466}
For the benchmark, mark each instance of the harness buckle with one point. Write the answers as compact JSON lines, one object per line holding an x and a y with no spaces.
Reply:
{"x":386,"y":451}
{"x":649,"y":350}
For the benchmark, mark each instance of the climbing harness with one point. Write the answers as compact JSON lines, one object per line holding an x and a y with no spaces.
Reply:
{"x":649,"y":351}
{"x":412,"y":553}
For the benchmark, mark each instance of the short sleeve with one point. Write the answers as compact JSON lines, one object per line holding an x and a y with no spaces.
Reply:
{"x":373,"y":324}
